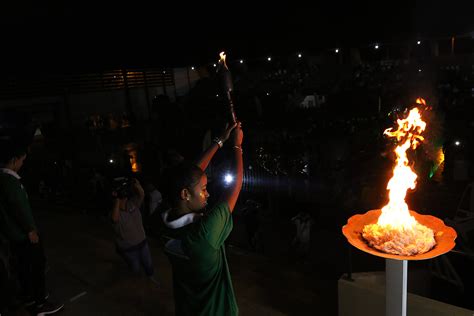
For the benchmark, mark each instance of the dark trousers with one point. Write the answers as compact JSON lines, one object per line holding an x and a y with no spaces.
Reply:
{"x":5,"y":296}
{"x":30,"y":268}
{"x":137,"y":256}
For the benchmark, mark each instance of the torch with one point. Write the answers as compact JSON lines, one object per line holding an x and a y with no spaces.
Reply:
{"x":224,"y":73}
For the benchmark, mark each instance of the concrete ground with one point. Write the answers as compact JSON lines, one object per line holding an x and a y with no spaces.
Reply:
{"x":87,"y":275}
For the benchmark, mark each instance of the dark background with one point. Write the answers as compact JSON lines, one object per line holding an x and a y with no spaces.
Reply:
{"x":87,"y":35}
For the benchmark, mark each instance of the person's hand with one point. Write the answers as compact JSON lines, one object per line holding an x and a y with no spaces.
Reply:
{"x":238,"y":134}
{"x":33,"y":237}
{"x":225,"y":135}
{"x":115,"y":197}
{"x":136,"y":183}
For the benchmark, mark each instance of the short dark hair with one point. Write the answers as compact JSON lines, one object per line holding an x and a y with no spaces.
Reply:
{"x":10,"y":149}
{"x":182,"y":176}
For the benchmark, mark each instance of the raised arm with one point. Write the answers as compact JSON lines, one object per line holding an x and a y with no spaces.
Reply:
{"x":217,"y":143}
{"x":232,"y":195}
{"x":138,"y":190}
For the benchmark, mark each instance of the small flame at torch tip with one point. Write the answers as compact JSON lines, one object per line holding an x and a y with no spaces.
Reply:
{"x":420,"y":101}
{"x":222,"y":60}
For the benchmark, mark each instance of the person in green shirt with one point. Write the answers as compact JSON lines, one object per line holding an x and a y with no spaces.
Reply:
{"x":201,"y":278}
{"x":18,"y":227}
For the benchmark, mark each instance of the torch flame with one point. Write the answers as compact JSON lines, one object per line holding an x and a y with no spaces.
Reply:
{"x":222,"y":60}
{"x":420,"y":101}
{"x":396,"y":213}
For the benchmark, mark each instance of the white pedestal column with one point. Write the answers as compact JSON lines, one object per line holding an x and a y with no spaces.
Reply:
{"x":396,"y":272}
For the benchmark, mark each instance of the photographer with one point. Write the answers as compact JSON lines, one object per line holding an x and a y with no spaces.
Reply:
{"x":130,"y":236}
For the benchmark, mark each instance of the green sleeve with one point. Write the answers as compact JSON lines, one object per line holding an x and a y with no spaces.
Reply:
{"x":217,"y":225}
{"x":18,"y":206}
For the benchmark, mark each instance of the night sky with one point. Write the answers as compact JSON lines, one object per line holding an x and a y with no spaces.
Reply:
{"x":87,"y":36}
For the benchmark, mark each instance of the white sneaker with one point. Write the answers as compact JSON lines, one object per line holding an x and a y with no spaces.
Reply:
{"x":48,"y":308}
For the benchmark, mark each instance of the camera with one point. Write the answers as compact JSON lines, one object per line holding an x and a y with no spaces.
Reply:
{"x":122,"y":186}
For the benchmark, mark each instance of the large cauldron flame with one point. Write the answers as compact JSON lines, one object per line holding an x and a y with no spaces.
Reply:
{"x":396,"y":231}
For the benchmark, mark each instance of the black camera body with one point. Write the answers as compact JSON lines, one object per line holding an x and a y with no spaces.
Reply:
{"x":123,"y":187}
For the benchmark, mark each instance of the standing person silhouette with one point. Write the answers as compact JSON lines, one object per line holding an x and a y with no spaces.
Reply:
{"x":18,"y":226}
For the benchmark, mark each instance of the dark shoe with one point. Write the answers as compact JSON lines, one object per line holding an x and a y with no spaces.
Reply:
{"x":29,"y":300}
{"x":48,"y":308}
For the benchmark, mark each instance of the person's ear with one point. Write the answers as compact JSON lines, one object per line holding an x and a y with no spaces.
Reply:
{"x":185,"y":195}
{"x":14,"y":161}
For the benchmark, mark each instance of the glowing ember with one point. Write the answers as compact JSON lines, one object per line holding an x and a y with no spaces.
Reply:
{"x":396,"y":231}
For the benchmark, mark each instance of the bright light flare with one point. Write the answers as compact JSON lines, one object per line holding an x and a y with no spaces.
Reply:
{"x":228,"y":178}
